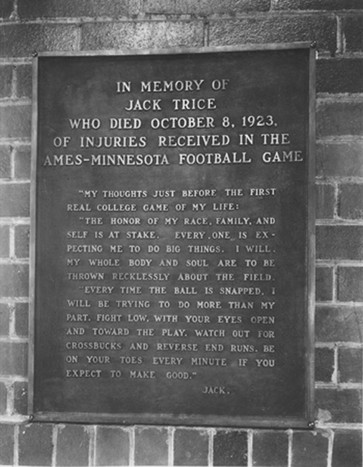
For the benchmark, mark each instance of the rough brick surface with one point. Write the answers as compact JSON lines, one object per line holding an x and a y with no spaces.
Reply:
{"x":275,"y":28}
{"x":5,"y":164}
{"x":6,"y":76}
{"x":339,"y":242}
{"x":339,"y":118}
{"x":6,"y":7}
{"x":324,"y":284}
{"x":325,"y":201}
{"x":351,"y":201}
{"x":317,"y":4}
{"x":350,"y":282}
{"x":21,"y":40}
{"x":341,"y":324}
{"x":21,"y":397}
{"x":339,"y":159}
{"x":4,"y":241}
{"x":324,"y":365}
{"x":22,"y":161}
{"x":14,"y":280}
{"x":4,"y":319}
{"x":15,"y":121}
{"x":190,"y":447}
{"x":350,"y":365}
{"x":3,"y":398}
{"x":21,"y":319}
{"x":339,"y":406}
{"x":69,"y":8}
{"x":309,"y":448}
{"x":13,"y":358}
{"x":142,"y":35}
{"x":339,"y":75}
{"x":230,"y":448}
{"x":14,"y":200}
{"x":73,"y":445}
{"x":112,"y":446}
{"x":22,"y":233}
{"x":347,"y":448}
{"x":204,"y":7}
{"x":24,"y":81}
{"x":353,"y":32}
{"x":6,"y":444}
{"x":151,"y":446}
{"x":35,"y":444}
{"x":270,"y":449}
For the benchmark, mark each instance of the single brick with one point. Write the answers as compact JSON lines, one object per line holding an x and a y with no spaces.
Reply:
{"x":112,"y":446}
{"x":72,"y":446}
{"x":339,"y":406}
{"x":15,"y":121}
{"x":5,"y":161}
{"x":69,"y":8}
{"x":204,"y":7}
{"x":142,"y":34}
{"x":325,"y":201}
{"x":339,"y":159}
{"x":4,"y":241}
{"x":22,"y":233}
{"x":324,"y":364}
{"x":151,"y":446}
{"x":324,"y":284}
{"x":35,"y":444}
{"x":21,"y":397}
{"x":14,"y":280}
{"x":6,"y":444}
{"x":339,"y":75}
{"x":351,"y":201}
{"x":350,"y":365}
{"x":6,"y":77}
{"x":335,"y":118}
{"x":353,"y":32}
{"x":4,"y":319}
{"x":347,"y":448}
{"x":6,"y":8}
{"x":309,"y":448}
{"x":190,"y":447}
{"x":270,"y":449}
{"x":21,"y":319}
{"x":350,"y":281}
{"x":14,"y":200}
{"x":342,"y":324}
{"x":3,"y":398}
{"x":275,"y":28}
{"x":20,"y":40}
{"x":24,"y":81}
{"x":22,"y":163}
{"x":230,"y":448}
{"x":13,"y":358}
{"x":339,"y":242}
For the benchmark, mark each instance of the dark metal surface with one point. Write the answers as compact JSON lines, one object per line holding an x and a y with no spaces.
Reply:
{"x":172,"y":242}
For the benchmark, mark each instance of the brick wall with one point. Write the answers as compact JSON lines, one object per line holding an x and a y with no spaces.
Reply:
{"x":68,"y":25}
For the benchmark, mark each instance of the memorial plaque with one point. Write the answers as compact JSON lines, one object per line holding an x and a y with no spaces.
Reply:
{"x":172,"y":237}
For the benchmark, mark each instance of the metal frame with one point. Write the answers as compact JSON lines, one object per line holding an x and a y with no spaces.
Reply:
{"x":196,"y":420}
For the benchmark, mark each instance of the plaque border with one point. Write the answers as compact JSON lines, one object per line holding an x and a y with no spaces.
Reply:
{"x":284,"y":422}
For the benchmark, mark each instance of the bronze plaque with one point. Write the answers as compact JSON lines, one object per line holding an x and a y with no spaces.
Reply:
{"x":172,"y":237}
